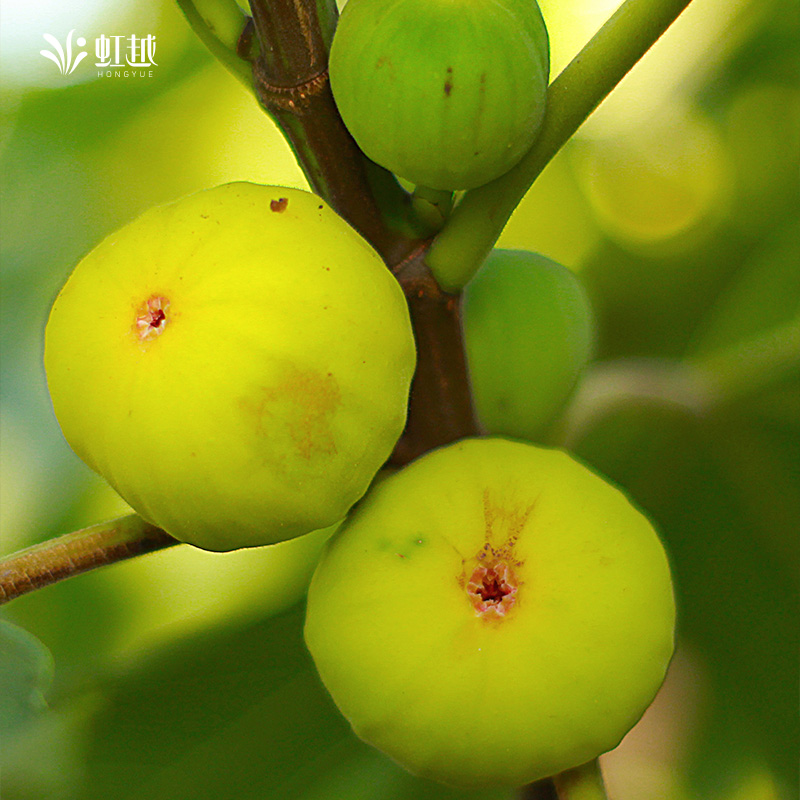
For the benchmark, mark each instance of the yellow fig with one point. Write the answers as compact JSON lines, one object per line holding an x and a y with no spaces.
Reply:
{"x":235,"y":364}
{"x":492,"y":614}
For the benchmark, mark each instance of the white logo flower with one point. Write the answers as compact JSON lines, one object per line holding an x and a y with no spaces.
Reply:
{"x":61,"y":59}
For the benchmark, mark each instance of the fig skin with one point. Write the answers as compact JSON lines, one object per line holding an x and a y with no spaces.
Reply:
{"x":474,"y":698}
{"x":445,"y":94}
{"x":528,"y":334}
{"x":236,"y":365}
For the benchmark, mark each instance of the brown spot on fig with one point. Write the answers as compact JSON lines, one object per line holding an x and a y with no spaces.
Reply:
{"x":298,"y":407}
{"x":504,"y":522}
{"x":279,"y":205}
{"x":448,"y":84}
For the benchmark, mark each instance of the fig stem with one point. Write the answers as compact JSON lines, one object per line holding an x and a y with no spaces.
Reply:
{"x":219,"y":25}
{"x":700,"y":384}
{"x":477,"y":221}
{"x":56,"y":559}
{"x":581,"y":783}
{"x":749,"y":367}
{"x":440,"y":408}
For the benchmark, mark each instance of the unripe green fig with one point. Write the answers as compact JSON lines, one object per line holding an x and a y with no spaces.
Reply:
{"x":235,"y":364}
{"x":492,"y":614}
{"x":528,"y":333}
{"x":445,"y":94}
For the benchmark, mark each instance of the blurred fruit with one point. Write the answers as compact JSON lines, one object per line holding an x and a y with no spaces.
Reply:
{"x":529,"y":334}
{"x":492,"y":614}
{"x":236,"y":364}
{"x":446,"y":95}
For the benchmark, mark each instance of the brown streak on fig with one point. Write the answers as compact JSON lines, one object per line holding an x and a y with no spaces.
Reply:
{"x":305,"y":401}
{"x":512,"y":519}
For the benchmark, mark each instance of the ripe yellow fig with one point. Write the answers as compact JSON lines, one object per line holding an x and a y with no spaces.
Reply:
{"x":492,"y":614}
{"x":236,"y":364}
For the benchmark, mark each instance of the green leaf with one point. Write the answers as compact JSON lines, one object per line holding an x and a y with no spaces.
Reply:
{"x":26,"y":671}
{"x":234,"y":713}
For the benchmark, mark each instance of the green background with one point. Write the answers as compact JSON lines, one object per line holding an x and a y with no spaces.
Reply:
{"x":182,"y":674}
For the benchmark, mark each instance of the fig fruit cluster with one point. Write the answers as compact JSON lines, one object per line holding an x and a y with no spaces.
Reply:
{"x":446,"y":94}
{"x":492,"y":614}
{"x":235,"y":364}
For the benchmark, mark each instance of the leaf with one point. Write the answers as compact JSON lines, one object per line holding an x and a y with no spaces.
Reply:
{"x":26,"y":671}
{"x":235,"y":714}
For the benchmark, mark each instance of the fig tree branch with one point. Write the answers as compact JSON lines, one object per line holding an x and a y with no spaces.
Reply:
{"x":291,"y":80}
{"x":74,"y":553}
{"x":440,"y":408}
{"x":476,"y":223}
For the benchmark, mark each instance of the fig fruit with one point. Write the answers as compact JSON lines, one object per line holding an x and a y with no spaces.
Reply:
{"x":444,"y":94}
{"x":492,"y":614}
{"x":528,"y":333}
{"x":235,"y":364}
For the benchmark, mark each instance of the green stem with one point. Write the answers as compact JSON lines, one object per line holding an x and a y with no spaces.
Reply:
{"x":73,"y":553}
{"x":700,"y":385}
{"x":475,"y":225}
{"x":581,"y":783}
{"x":432,"y":207}
{"x":748,"y":368}
{"x":219,"y":24}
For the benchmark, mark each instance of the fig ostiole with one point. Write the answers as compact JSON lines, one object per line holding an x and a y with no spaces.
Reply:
{"x":445,"y":94}
{"x":492,"y":614}
{"x":528,"y":334}
{"x":236,"y":364}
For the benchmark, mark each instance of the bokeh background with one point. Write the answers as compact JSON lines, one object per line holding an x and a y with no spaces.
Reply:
{"x":182,"y":674}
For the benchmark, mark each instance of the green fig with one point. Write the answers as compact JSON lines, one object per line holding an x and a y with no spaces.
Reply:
{"x":445,"y":94}
{"x":528,"y":334}
{"x":492,"y":614}
{"x":235,"y":364}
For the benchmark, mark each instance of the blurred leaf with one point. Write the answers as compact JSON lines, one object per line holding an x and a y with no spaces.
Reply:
{"x":26,"y":671}
{"x":732,"y":543}
{"x":234,"y":714}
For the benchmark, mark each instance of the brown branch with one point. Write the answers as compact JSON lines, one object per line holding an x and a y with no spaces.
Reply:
{"x":440,"y":408}
{"x":77,"y":552}
{"x":291,"y":82}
